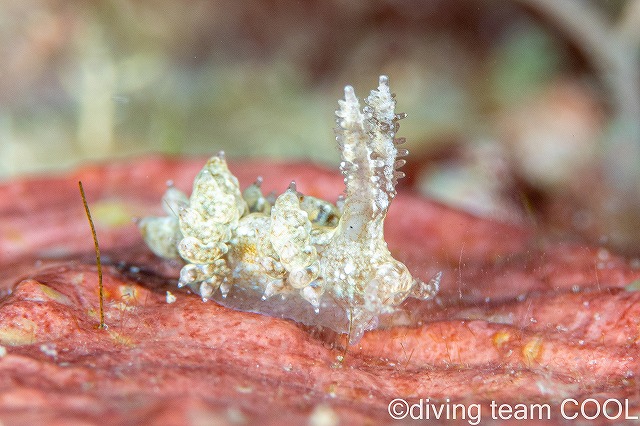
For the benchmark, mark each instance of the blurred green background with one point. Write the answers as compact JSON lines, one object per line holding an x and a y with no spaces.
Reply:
{"x":517,"y":109}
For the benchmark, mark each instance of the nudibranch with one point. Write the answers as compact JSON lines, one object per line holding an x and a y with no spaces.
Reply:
{"x":296,"y":256}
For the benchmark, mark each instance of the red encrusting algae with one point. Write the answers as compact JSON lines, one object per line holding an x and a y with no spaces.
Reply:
{"x":518,"y":320}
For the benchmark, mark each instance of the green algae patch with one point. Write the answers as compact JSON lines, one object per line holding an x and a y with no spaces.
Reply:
{"x":111,"y":213}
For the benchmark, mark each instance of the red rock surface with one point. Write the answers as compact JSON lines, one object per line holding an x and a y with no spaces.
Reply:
{"x":520,"y":320}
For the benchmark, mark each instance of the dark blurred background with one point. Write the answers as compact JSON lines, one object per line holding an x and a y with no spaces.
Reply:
{"x":524,"y":110}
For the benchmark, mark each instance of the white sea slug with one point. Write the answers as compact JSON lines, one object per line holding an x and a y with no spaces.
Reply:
{"x":299,"y":257}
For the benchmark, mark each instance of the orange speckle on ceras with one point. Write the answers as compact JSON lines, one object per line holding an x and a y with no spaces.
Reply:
{"x":248,"y":250}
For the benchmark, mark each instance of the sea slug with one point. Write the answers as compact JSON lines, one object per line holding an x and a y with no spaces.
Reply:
{"x":297,"y":256}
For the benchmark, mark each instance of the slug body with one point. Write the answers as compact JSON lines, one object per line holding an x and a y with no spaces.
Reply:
{"x":298,"y":257}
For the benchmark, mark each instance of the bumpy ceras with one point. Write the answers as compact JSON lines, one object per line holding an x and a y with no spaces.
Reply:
{"x":298,"y":257}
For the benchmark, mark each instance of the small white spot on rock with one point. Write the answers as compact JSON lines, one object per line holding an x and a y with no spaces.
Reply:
{"x":244,"y":389}
{"x":171,"y":297}
{"x":49,"y":349}
{"x":323,"y":415}
{"x":603,"y":254}
{"x":236,"y":416}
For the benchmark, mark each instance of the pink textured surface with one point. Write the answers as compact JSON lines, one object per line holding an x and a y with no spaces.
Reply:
{"x":518,"y":320}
